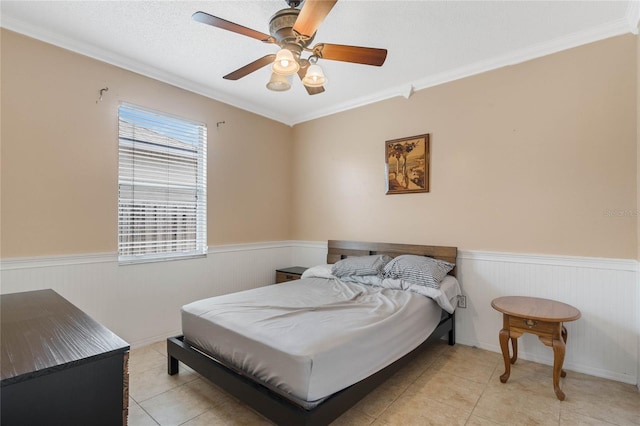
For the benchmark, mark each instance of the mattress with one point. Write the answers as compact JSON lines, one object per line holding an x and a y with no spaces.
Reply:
{"x":310,"y":338}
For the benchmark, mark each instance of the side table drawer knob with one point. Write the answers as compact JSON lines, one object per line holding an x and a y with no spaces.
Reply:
{"x":530,"y":323}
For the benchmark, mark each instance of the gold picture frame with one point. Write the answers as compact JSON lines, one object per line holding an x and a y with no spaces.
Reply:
{"x":407,"y":164}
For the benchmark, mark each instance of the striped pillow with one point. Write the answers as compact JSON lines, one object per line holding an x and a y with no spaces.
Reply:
{"x":418,"y":270}
{"x":360,"y":265}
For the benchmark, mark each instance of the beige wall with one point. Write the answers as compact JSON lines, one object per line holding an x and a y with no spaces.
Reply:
{"x":533,"y":158}
{"x":638,"y":193}
{"x":59,"y":154}
{"x":528,"y":158}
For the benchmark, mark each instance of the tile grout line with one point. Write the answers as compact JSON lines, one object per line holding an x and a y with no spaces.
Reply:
{"x":484,"y":389}
{"x":422,"y":368}
{"x":148,"y":414}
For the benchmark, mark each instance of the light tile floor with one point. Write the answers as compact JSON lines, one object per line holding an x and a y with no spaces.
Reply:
{"x":446,"y":385}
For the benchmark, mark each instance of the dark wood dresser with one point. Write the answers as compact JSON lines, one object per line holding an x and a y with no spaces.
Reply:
{"x":59,"y":366}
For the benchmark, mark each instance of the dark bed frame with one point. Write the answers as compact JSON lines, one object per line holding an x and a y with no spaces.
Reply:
{"x":276,"y":407}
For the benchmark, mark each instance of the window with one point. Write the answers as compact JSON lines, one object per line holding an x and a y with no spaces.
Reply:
{"x":162,"y":186}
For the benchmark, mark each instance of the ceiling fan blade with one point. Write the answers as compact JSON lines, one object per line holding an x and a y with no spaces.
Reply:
{"x":314,"y":90}
{"x":249,"y":68}
{"x":356,"y":54}
{"x":310,"y":90}
{"x":205,"y":18}
{"x":311,"y":16}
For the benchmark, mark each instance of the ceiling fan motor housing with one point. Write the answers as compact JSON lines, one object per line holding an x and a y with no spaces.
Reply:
{"x":281,"y":28}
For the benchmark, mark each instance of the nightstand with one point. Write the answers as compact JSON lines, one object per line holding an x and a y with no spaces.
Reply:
{"x":542,"y":317}
{"x":289,"y":274}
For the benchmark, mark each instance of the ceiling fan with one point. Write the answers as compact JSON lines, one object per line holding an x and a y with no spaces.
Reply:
{"x":293,"y":31}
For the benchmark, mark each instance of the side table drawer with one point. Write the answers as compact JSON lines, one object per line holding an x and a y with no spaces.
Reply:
{"x":282,"y":277}
{"x":534,"y":326}
{"x":289,"y":274}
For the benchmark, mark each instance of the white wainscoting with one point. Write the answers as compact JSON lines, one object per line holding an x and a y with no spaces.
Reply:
{"x":141,"y":303}
{"x":604,"y":342}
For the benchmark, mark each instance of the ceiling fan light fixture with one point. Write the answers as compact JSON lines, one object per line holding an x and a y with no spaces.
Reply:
{"x":285,"y":63}
{"x":314,"y":77}
{"x":278,"y":83}
{"x":292,"y":30}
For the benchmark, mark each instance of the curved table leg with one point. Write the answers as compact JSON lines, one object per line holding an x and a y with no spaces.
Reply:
{"x":564,"y":337}
{"x":504,"y":346}
{"x":514,"y":347}
{"x":558,"y":359}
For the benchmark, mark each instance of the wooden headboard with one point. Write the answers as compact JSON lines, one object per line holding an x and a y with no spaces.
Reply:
{"x":341,"y":249}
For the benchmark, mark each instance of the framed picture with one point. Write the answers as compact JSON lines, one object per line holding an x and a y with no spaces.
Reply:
{"x":407,"y":165}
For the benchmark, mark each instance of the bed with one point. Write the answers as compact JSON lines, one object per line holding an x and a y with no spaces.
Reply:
{"x":303,"y":352}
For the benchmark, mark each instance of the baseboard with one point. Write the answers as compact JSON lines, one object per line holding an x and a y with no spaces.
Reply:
{"x":569,"y":366}
{"x":154,"y":339}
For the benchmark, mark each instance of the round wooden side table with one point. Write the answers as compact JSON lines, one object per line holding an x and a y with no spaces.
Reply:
{"x":542,"y":317}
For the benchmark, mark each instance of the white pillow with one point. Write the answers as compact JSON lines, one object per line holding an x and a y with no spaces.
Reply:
{"x":318,"y":271}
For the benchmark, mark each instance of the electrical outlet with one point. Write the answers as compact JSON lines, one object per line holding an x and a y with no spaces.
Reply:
{"x":462,"y":301}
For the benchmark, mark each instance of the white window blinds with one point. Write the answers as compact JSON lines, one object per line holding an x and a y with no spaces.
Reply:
{"x":162,"y":186}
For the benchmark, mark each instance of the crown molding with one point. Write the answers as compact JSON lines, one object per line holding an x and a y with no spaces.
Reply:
{"x":628,"y":24}
{"x":131,"y":64}
{"x":615,"y":28}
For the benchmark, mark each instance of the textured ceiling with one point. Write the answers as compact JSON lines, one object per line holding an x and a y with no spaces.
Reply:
{"x":429,"y":42}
